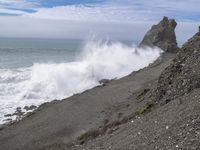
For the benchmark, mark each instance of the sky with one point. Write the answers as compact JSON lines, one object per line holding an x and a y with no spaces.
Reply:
{"x":120,"y":19}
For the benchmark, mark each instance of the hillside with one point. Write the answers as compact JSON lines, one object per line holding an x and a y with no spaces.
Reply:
{"x":170,"y":119}
{"x":157,"y":107}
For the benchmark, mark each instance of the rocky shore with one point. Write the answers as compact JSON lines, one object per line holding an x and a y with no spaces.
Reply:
{"x":157,"y":107}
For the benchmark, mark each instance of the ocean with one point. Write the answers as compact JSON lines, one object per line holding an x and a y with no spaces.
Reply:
{"x":21,"y":52}
{"x":35,"y":71}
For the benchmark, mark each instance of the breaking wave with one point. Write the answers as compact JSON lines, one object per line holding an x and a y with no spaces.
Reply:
{"x":45,"y":82}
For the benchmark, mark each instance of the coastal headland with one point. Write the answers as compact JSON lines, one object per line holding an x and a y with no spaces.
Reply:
{"x":156,"y":107}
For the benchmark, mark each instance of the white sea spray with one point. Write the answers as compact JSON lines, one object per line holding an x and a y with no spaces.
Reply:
{"x":45,"y":82}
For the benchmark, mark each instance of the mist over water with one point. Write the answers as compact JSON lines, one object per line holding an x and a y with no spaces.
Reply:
{"x":44,"y":82}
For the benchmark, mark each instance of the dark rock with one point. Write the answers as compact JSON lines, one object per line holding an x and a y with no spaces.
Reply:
{"x":18,"y":113}
{"x":8,"y":115}
{"x":183,"y":75}
{"x":26,"y":108}
{"x":162,"y":35}
{"x":32,"y":107}
{"x":18,"y":108}
{"x":104,"y":81}
{"x":7,"y":120}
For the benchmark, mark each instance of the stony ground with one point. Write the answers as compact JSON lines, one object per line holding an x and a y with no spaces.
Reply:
{"x":157,"y":107}
{"x":61,"y":122}
{"x":171,"y":117}
{"x":164,"y":115}
{"x":175,"y":125}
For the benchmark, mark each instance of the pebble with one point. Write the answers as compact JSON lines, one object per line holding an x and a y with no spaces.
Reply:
{"x":32,"y":107}
{"x":8,"y":115}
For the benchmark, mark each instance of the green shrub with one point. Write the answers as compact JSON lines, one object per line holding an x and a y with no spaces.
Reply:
{"x":147,"y":108}
{"x":83,"y":137}
{"x":143,"y":92}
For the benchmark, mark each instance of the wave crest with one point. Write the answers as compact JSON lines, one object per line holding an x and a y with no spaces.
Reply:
{"x":45,"y":82}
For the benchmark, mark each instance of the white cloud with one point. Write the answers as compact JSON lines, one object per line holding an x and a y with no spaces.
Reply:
{"x":110,"y":10}
{"x":17,"y":7}
{"x":125,"y":19}
{"x":126,"y":11}
{"x":44,"y":28}
{"x":18,"y":4}
{"x":84,"y":13}
{"x":11,"y":11}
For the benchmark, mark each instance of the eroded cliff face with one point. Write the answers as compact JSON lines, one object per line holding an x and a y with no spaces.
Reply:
{"x":183,"y":75}
{"x":162,"y":35}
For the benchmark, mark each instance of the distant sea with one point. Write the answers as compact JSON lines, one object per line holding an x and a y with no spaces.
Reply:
{"x":34,"y":71}
{"x":21,"y":52}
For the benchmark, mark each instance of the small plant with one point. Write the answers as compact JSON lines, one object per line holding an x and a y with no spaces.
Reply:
{"x":147,"y":108}
{"x":87,"y":135}
{"x":83,"y":137}
{"x":143,"y":92}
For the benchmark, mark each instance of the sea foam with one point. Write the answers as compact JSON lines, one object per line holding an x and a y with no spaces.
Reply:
{"x":46,"y":82}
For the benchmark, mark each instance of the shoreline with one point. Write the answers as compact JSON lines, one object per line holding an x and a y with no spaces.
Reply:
{"x":40,"y":83}
{"x":154,"y":108}
{"x":81,"y":112}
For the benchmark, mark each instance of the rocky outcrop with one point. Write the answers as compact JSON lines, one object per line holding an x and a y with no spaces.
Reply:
{"x":162,"y":35}
{"x":154,"y":126}
{"x":183,"y":75}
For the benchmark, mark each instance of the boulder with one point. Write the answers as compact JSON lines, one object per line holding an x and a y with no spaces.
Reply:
{"x":162,"y":35}
{"x":104,"y":81}
{"x":32,"y":107}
